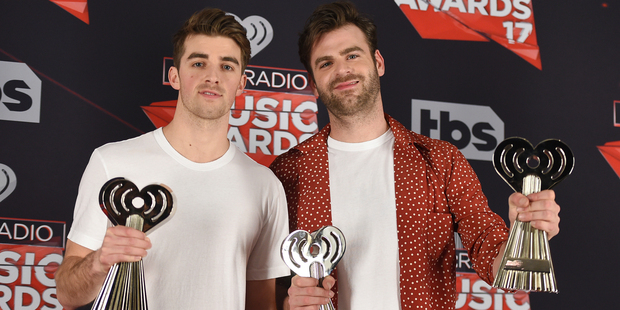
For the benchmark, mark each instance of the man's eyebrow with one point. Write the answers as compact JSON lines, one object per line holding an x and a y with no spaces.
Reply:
{"x":351,"y":49}
{"x":205,"y":56}
{"x":342,"y":53}
{"x":231,"y":59}
{"x":198,"y":55}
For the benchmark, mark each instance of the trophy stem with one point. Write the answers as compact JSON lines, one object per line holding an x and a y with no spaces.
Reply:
{"x":316,"y":269}
{"x":531,"y":184}
{"x":124,"y":287}
{"x":104,"y":294}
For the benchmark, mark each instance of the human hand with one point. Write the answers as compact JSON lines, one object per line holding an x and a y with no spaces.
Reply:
{"x":121,"y":244}
{"x":304,"y":293}
{"x":540,"y":209}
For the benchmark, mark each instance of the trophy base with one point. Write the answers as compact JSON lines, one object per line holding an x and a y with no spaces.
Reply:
{"x":529,"y":281}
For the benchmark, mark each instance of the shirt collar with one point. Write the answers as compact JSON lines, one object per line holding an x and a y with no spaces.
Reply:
{"x":402,"y":137}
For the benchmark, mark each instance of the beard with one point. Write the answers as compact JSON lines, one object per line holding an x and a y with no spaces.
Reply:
{"x":348,"y":104}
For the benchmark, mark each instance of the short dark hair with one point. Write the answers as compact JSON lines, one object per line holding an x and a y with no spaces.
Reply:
{"x":212,"y":22}
{"x":329,"y":17}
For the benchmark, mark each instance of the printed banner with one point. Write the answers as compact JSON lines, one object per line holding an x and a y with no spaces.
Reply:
{"x":507,"y":22}
{"x":475,"y":294}
{"x":30,"y":253}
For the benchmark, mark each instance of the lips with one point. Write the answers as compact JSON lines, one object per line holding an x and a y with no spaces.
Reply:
{"x":346,"y":85}
{"x":346,"y":82}
{"x":210,"y":93}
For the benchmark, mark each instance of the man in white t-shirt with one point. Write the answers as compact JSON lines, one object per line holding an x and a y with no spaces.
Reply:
{"x":220,"y":249}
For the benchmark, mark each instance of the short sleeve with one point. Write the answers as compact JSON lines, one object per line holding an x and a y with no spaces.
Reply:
{"x":89,"y":222}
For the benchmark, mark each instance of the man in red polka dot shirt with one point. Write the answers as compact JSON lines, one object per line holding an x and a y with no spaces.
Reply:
{"x":397,"y":196}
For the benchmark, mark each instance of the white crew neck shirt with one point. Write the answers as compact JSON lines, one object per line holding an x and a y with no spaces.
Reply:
{"x":363,"y":203}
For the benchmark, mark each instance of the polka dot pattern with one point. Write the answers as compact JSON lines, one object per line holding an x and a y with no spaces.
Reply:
{"x":437,"y":193}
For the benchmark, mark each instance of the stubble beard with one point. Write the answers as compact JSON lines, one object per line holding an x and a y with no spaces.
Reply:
{"x":350,"y":105}
{"x":206,"y":111}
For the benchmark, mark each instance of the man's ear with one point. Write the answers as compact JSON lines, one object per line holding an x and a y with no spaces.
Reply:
{"x":313,"y":87}
{"x":242,"y":82}
{"x":380,"y":62}
{"x":173,"y":78}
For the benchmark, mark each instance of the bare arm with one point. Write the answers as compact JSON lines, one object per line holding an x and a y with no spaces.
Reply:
{"x":77,"y":283}
{"x":260,"y":295}
{"x":82,"y":272}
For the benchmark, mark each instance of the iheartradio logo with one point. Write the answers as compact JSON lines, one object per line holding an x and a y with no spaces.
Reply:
{"x":259,"y":31}
{"x":8,"y":181}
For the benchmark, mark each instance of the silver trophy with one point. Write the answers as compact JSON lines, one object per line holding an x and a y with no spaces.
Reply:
{"x":124,"y":204}
{"x":526,"y":264}
{"x":314,"y":254}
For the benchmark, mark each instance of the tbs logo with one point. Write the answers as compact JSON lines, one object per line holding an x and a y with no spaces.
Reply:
{"x":20,"y":93}
{"x":475,"y":130}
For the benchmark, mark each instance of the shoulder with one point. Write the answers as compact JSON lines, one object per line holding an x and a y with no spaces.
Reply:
{"x":436,"y":146}
{"x":440,"y":155}
{"x":284,"y":166}
{"x":287,"y":161}
{"x":425,"y":144}
{"x":250,"y":167}
{"x":128,"y":144}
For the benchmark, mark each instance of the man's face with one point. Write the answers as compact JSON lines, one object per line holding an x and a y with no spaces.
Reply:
{"x":346,"y":74}
{"x":209,"y":76}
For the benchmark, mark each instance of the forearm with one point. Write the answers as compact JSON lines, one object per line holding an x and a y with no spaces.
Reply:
{"x":498,"y":260}
{"x":260,"y":295}
{"x":77,"y":283}
{"x":282,"y":286}
{"x":285,"y":305}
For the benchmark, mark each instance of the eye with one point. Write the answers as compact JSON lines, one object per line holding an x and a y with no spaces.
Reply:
{"x":352,"y":56}
{"x":198,"y":64}
{"x":325,"y":65}
{"x":227,"y":67}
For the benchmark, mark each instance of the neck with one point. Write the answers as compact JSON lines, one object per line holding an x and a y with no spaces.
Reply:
{"x":200,"y":141}
{"x":358,"y":128}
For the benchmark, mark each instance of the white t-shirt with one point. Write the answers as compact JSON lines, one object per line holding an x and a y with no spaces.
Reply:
{"x":229,"y":222}
{"x":363,"y":202}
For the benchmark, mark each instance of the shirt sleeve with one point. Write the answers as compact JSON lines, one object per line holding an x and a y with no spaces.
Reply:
{"x":89,"y":222}
{"x":265,"y":261}
{"x":482,"y":230}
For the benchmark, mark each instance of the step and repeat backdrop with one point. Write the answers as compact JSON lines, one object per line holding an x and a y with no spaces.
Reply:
{"x":76,"y":74}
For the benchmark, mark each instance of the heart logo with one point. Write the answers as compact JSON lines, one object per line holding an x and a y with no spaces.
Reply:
{"x":259,"y":31}
{"x":316,"y":254}
{"x":119,"y":198}
{"x":8,"y":181}
{"x":515,"y":158}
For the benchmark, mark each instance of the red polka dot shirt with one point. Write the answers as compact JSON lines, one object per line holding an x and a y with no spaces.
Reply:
{"x":437,"y":193}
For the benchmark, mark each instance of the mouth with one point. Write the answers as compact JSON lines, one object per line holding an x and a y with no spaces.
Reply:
{"x":209,"y":93}
{"x":346,"y":85}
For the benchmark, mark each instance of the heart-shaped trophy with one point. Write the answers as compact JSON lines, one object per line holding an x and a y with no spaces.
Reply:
{"x":314,"y":254}
{"x":526,"y":264}
{"x":124,"y":204}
